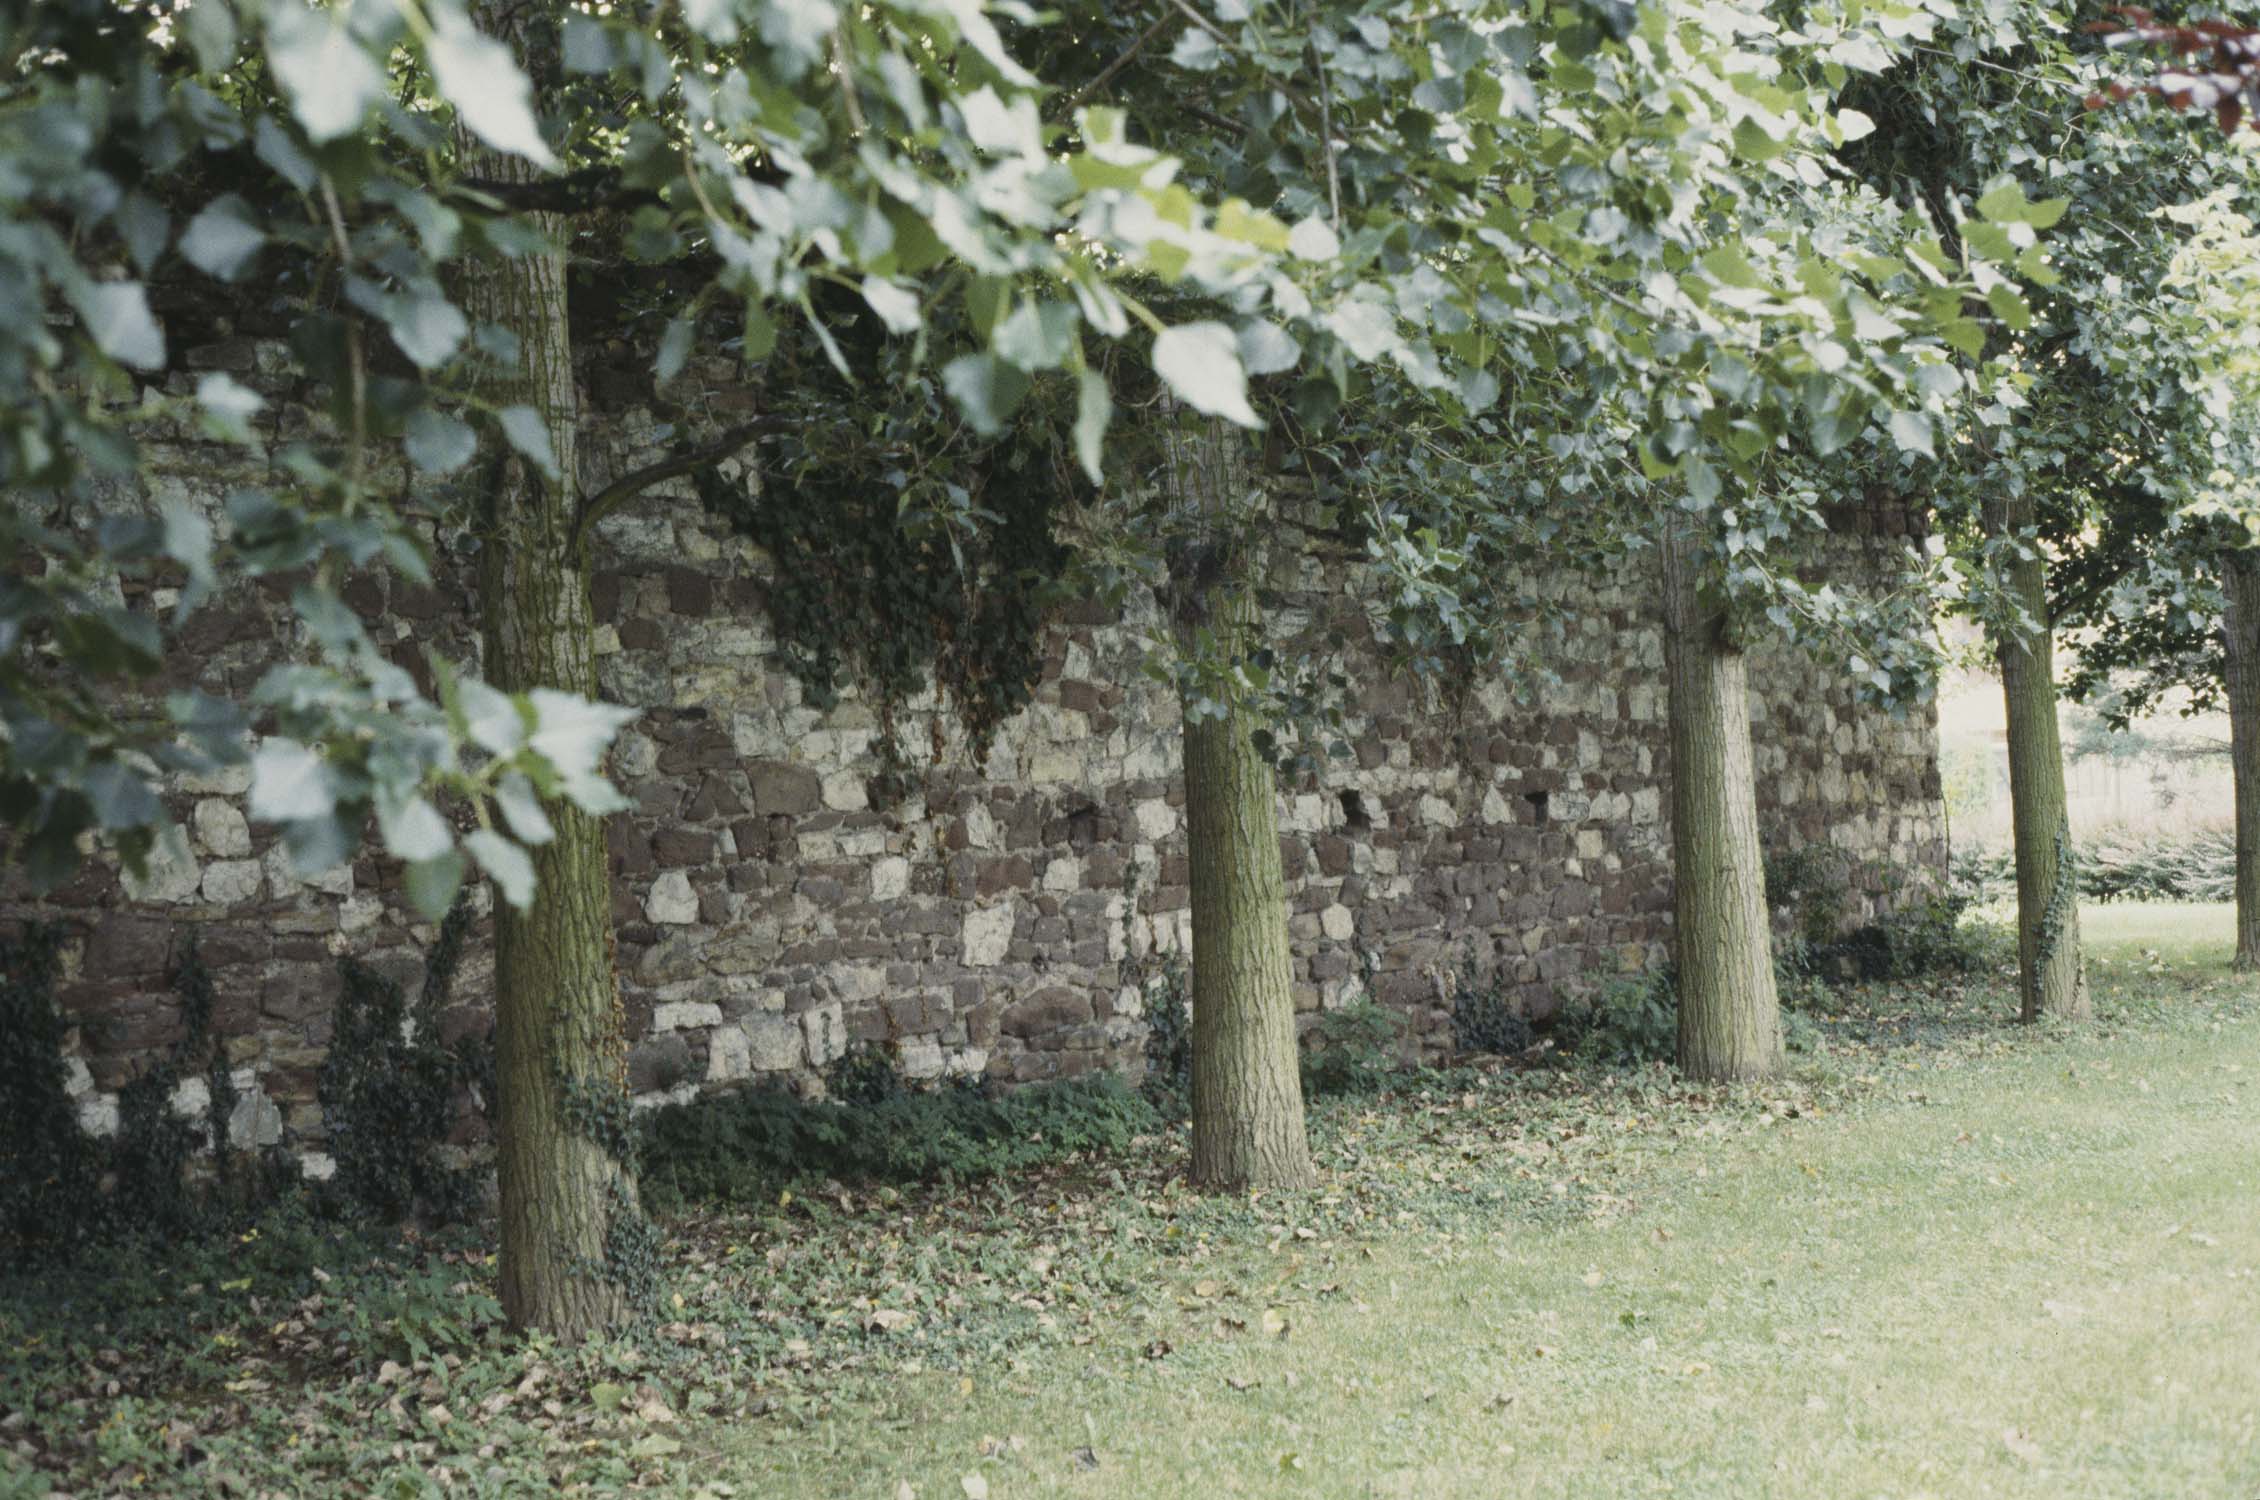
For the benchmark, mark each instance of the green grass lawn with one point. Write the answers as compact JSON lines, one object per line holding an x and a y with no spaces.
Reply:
{"x":1947,"y":1256}
{"x":2031,"y":1267}
{"x":2200,"y":933}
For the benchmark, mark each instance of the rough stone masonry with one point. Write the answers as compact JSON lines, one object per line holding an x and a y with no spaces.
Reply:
{"x":996,"y":922}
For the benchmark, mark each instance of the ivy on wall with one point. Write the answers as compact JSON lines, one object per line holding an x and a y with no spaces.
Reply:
{"x":905,"y":550}
{"x":389,"y":1088}
{"x":45,"y":1159}
{"x":61,"y":1188}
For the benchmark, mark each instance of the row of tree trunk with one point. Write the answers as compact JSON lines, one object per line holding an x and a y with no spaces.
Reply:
{"x":565,"y":1190}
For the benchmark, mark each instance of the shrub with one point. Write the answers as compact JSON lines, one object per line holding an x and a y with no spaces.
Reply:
{"x":864,"y":1074}
{"x":745,"y":1145}
{"x":1917,"y":942}
{"x":1807,"y":882}
{"x":2120,"y":864}
{"x":1628,"y":1022}
{"x":1351,"y":1050}
{"x":1483,"y":1020}
{"x":2124,"y":864}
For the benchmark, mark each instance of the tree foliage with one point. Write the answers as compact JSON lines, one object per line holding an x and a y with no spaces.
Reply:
{"x":1607,"y":242}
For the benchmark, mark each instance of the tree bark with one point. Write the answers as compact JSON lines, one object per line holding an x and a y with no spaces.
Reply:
{"x":1729,"y":1012}
{"x":2240,"y":621}
{"x":560,"y":1055}
{"x":1247,"y":1079}
{"x":2051,"y":980}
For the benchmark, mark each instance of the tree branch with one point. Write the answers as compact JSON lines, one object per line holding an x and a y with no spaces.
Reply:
{"x":628,"y":486}
{"x":585,"y":191}
{"x":1083,"y":95}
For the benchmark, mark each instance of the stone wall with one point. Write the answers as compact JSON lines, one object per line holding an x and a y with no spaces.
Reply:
{"x":995,"y":921}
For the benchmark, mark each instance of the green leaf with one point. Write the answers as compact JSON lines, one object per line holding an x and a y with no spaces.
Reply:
{"x":221,"y":240}
{"x":1201,"y":363}
{"x":438,"y":444}
{"x":674,"y":349}
{"x":713,"y":19}
{"x":2004,"y":203}
{"x":523,"y":427}
{"x":760,"y":333}
{"x":477,"y":75}
{"x":232,"y":405}
{"x":1911,"y":431}
{"x":1251,"y":226}
{"x":211,"y":32}
{"x":1196,"y":51}
{"x":1752,"y":143}
{"x":282,"y":154}
{"x":492,"y":719}
{"x":506,"y":864}
{"x":188,"y":541}
{"x":1313,"y":239}
{"x":1988,"y":241}
{"x":145,"y":227}
{"x":116,"y":316}
{"x":412,"y":828}
{"x":290,"y":783}
{"x":572,"y":734}
{"x":2009,"y":306}
{"x":120,"y":798}
{"x":325,"y":73}
{"x":1964,"y":335}
{"x":427,"y":327}
{"x":1266,"y":348}
{"x":986,"y":389}
{"x":1038,"y":334}
{"x":432,"y":884}
{"x":1094,"y":409}
{"x":897,"y":308}
{"x":521,"y":808}
{"x":1730,"y":267}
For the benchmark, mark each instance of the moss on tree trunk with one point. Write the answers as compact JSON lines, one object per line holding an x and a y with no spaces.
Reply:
{"x":2051,"y":979}
{"x":559,"y":1033}
{"x":1729,"y":1013}
{"x":2240,"y":582}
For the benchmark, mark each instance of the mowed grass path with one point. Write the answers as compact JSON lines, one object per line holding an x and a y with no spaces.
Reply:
{"x":2035,"y":1273}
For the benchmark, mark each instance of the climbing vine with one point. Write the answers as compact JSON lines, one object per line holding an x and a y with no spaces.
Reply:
{"x":389,"y":1088}
{"x":2063,"y":896}
{"x":61,"y":1187}
{"x":597,"y":1109}
{"x":46,"y":1162}
{"x":904,"y":550}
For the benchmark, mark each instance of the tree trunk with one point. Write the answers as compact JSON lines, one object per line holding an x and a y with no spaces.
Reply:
{"x":1247,"y":1078}
{"x":2240,"y":582}
{"x":560,"y":1057}
{"x":2051,"y":980}
{"x":1729,"y":1013}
